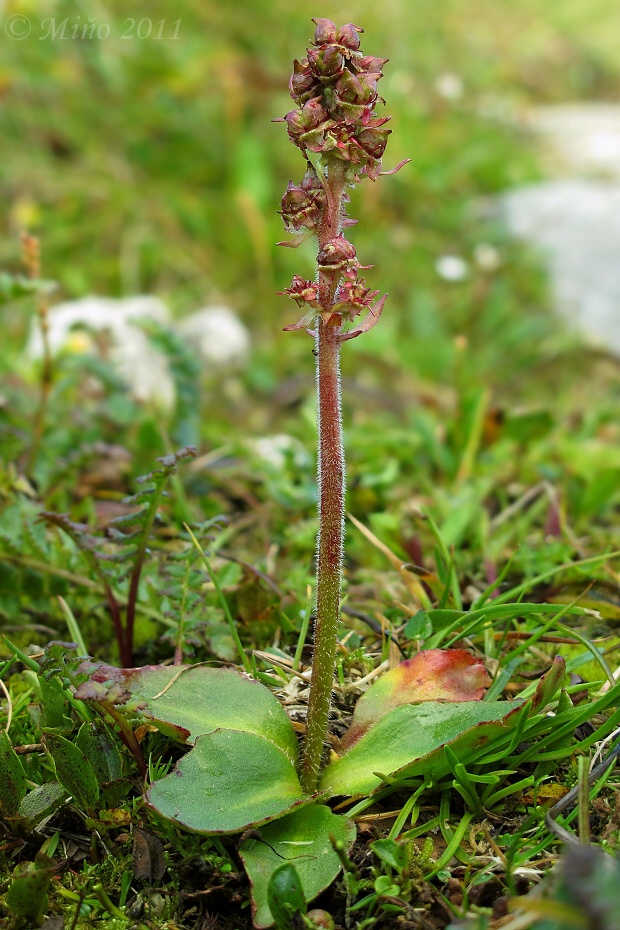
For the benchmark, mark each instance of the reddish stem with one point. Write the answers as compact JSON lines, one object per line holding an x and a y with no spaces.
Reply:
{"x":331,"y":481}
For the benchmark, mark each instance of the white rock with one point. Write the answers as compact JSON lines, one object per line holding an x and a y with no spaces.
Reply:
{"x":576,"y":225}
{"x":217,"y":335}
{"x":139,"y":364}
{"x":582,"y":137}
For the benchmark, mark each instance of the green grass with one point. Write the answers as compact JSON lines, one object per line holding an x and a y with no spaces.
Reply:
{"x":482,"y":440}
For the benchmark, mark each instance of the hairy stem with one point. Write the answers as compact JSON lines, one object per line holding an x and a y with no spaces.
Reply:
{"x":331,"y":478}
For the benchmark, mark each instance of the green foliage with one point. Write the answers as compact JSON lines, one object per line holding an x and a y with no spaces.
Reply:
{"x":190,"y":701}
{"x":306,"y":839}
{"x":41,"y":802}
{"x":14,"y":287}
{"x":285,"y":896}
{"x":27,"y":896}
{"x":131,"y":535}
{"x":74,"y":771}
{"x":101,"y":749}
{"x":12,"y":778}
{"x":230,"y":781}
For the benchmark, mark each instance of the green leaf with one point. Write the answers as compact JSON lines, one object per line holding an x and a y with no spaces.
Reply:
{"x":53,"y":704}
{"x":285,"y":896}
{"x":12,"y":778}
{"x":303,"y":839}
{"x":409,"y":740}
{"x":431,"y":675}
{"x":190,"y":701}
{"x":27,"y":896}
{"x":41,"y":802}
{"x":418,"y":627}
{"x":101,"y":749}
{"x":229,"y":781}
{"x":73,"y":770}
{"x":548,"y":685}
{"x":392,"y":853}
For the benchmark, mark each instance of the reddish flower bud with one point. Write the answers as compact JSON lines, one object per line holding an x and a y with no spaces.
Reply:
{"x":302,"y":204}
{"x":336,"y":255}
{"x":371,"y":65}
{"x":325,"y":31}
{"x":373,"y":141}
{"x":326,"y":63}
{"x":354,"y":96}
{"x":303,"y":85}
{"x":348,"y":36}
{"x":301,"y":122}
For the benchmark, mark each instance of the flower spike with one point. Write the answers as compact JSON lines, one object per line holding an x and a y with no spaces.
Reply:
{"x":340,"y":135}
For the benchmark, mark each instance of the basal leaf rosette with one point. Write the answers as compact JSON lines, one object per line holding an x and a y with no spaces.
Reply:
{"x":241,"y":771}
{"x":405,"y":720}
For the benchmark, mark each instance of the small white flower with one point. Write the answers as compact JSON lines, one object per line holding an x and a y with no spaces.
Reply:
{"x":452,"y":268}
{"x":486,"y":257}
{"x":449,"y":86}
{"x":276,"y":450}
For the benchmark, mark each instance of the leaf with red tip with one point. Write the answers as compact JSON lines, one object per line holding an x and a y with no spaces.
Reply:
{"x":188,"y":701}
{"x":433,"y":675}
{"x":410,"y":740}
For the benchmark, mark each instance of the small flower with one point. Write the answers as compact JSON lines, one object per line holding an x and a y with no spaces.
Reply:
{"x":353,"y":296}
{"x":373,"y":139}
{"x":353,"y":97}
{"x":371,"y":65}
{"x":303,"y":292}
{"x":449,"y":86}
{"x":348,"y":36}
{"x":486,"y":257}
{"x":326,"y":64}
{"x":327,"y":33}
{"x":337,"y":255}
{"x":302,"y":203}
{"x":452,"y":268}
{"x":303,"y":85}
{"x":301,"y":122}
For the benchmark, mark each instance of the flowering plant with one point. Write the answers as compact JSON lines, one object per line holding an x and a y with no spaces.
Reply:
{"x":336,"y":129}
{"x":422,"y":722}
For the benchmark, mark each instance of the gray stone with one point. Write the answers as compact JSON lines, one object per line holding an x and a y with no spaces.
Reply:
{"x":217,"y":335}
{"x":580,"y":138}
{"x":576,"y":225}
{"x":139,"y":364}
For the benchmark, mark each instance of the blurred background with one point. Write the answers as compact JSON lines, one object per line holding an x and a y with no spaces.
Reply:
{"x":137,"y":142}
{"x":147,"y":162}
